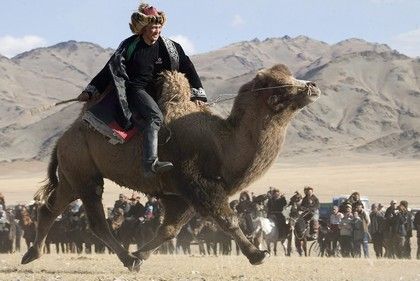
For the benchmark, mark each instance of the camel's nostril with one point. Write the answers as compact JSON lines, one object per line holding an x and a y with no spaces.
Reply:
{"x":311,"y":84}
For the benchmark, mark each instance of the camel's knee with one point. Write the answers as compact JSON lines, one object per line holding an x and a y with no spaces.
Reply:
{"x":168,"y":232}
{"x":229,"y":223}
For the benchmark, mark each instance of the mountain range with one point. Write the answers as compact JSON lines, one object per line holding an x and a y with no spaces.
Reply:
{"x":370,"y":100}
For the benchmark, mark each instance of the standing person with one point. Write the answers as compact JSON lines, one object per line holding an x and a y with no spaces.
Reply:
{"x":311,"y":203}
{"x":364,"y":217}
{"x":376,"y":229}
{"x":388,"y":234}
{"x":2,"y":201}
{"x":121,"y":203}
{"x":409,"y":229}
{"x":130,"y":78}
{"x":358,"y":235}
{"x":346,"y":231}
{"x":417,"y":227}
{"x":136,"y":210}
{"x":399,"y":230}
{"x":275,"y":207}
{"x":335,"y":219}
{"x":151,"y":208}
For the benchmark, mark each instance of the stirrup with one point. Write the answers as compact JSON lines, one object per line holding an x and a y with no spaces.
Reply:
{"x":157,"y":167}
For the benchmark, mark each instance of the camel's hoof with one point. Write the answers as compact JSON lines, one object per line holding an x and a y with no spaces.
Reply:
{"x":31,"y":255}
{"x":260,"y":258}
{"x":132,"y":263}
{"x":135,"y":266}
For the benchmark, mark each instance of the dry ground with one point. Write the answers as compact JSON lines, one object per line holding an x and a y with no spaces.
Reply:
{"x":159,"y":267}
{"x":382,"y":179}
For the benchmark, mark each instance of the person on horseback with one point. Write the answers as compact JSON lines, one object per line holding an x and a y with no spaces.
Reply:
{"x":276,"y":205}
{"x":310,"y":203}
{"x":131,"y":74}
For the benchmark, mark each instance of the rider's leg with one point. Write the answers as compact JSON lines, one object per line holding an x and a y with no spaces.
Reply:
{"x":142,"y":103}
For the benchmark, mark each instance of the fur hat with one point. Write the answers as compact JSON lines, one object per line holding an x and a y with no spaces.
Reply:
{"x":146,"y":15}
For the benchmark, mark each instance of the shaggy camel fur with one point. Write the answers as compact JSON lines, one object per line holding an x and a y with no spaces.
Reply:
{"x":213,"y":158}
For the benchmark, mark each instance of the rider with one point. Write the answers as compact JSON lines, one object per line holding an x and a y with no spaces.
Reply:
{"x":275,"y":206}
{"x":131,"y":74}
{"x":310,"y":203}
{"x":245,"y":209}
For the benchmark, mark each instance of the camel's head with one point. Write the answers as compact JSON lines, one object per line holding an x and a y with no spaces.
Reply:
{"x":280,"y":91}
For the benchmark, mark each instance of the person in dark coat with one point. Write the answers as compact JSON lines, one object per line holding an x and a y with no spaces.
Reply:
{"x":416,"y":223}
{"x":311,"y":203}
{"x":399,"y":230}
{"x":136,"y":210}
{"x":130,"y":79}
{"x":388,"y":235}
{"x":376,"y":230}
{"x":409,"y":229}
{"x":275,"y":207}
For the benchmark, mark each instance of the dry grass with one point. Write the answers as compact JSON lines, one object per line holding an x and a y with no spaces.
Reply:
{"x":160,"y":267}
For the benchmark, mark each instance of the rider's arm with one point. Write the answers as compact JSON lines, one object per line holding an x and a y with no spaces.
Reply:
{"x":187,"y":67}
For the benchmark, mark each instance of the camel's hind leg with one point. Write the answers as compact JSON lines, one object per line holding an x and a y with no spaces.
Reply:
{"x":177,"y":213}
{"x":60,"y":197}
{"x":92,"y":200}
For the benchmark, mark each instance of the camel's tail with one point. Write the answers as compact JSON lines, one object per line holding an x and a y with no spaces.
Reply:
{"x":52,"y":180}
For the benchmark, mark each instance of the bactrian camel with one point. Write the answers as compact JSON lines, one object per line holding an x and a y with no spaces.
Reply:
{"x":213,"y":159}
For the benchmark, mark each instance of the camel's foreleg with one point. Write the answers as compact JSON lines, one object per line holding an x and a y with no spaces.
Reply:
{"x":212,"y":200}
{"x":177,"y":213}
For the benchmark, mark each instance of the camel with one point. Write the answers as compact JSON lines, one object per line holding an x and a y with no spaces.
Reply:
{"x":213,"y":158}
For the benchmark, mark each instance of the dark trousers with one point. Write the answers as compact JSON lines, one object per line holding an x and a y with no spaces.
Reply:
{"x":143,"y":104}
{"x":378,"y":243}
{"x":346,"y":244}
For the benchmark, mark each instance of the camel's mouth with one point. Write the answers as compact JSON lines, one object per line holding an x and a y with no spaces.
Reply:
{"x":313,"y":93}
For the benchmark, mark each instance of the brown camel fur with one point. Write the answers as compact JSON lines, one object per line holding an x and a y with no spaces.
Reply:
{"x":213,"y":158}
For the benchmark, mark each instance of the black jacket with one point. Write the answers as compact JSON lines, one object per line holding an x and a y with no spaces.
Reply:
{"x":113,"y":79}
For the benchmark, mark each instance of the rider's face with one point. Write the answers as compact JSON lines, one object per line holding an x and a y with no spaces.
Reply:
{"x":151,"y":33}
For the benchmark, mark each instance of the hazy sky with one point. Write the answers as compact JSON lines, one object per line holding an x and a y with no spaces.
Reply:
{"x":205,"y":25}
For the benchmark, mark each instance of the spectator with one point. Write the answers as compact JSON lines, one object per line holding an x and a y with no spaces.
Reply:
{"x":364,"y":217}
{"x":346,"y":231}
{"x":399,"y":230}
{"x":311,"y":203}
{"x":335,"y":219}
{"x":388,"y":235}
{"x":2,"y":201}
{"x":137,"y":210}
{"x":121,"y":203}
{"x":376,"y":229}
{"x":409,"y":228}
{"x":3,"y":215}
{"x":417,"y":227}
{"x":151,"y":208}
{"x":358,"y":235}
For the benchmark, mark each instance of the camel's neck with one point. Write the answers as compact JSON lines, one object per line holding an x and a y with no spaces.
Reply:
{"x":253,"y":147}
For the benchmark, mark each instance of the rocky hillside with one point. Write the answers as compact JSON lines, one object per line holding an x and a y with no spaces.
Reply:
{"x":370,"y":102}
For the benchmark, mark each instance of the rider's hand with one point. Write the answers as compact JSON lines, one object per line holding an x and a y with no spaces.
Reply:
{"x":83,"y":97}
{"x":199,"y":102}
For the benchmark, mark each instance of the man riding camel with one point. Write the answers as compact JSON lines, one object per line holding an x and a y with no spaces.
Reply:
{"x":131,"y":75}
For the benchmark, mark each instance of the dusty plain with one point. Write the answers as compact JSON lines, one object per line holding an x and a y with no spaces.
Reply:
{"x":381,"y":179}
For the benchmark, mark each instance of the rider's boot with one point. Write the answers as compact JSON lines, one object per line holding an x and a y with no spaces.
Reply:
{"x":151,"y":164}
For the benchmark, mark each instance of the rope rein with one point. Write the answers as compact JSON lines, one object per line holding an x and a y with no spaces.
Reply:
{"x":219,"y":99}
